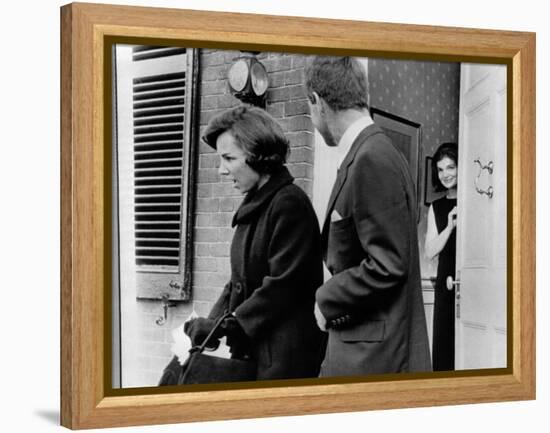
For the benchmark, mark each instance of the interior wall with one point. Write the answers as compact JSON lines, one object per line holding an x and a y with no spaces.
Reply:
{"x":426,"y":93}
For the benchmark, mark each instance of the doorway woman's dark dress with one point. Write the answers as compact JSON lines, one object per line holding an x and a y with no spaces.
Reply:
{"x":444,"y":305}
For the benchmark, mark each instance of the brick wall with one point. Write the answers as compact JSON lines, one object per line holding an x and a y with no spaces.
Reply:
{"x":217,"y":200}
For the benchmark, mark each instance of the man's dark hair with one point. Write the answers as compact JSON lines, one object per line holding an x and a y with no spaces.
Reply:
{"x":340,"y":81}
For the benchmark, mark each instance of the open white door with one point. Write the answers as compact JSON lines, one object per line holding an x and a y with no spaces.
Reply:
{"x":481,"y":230}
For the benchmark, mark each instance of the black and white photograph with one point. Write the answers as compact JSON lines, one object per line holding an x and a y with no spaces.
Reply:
{"x":363,"y":252}
{"x":290,"y":216}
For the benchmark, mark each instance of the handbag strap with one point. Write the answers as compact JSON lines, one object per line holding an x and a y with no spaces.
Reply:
{"x":201,"y":348}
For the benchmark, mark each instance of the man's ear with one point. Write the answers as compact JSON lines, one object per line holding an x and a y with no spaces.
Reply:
{"x":324,"y":108}
{"x":314,"y":98}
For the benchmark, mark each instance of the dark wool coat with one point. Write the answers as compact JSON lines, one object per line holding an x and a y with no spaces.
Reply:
{"x":276,"y":266}
{"x":373,"y":302}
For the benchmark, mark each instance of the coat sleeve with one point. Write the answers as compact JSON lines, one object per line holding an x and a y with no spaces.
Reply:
{"x":294,"y":262}
{"x":381,"y":217}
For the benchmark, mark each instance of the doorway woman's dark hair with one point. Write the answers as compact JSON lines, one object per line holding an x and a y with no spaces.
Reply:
{"x":449,"y":150}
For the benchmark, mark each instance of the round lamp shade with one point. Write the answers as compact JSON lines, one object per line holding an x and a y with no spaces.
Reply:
{"x":238,"y":75}
{"x":259,"y":79}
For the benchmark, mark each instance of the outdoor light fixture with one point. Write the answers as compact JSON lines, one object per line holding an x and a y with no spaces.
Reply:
{"x":248,"y":80}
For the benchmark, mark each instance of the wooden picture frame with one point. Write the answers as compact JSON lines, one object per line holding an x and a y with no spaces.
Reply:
{"x":405,"y":134}
{"x":87,"y":398}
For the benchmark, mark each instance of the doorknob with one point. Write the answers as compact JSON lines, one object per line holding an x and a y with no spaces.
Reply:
{"x":455,"y":283}
{"x":452,"y":283}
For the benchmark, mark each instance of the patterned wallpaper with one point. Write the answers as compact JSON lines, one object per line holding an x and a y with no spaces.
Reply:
{"x":426,"y":93}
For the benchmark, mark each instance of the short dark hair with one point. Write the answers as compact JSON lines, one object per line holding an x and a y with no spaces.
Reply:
{"x":449,"y":150}
{"x":340,"y":81}
{"x":257,"y":133}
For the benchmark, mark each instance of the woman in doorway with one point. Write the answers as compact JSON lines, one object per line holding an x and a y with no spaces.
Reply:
{"x":441,"y":243}
{"x":276,"y":263}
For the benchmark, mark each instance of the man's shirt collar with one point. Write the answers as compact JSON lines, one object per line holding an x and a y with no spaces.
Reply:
{"x":350,"y":135}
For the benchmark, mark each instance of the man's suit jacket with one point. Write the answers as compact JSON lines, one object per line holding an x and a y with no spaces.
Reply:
{"x":373,"y":302}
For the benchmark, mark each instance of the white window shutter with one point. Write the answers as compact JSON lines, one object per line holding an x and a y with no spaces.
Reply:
{"x":154,"y":96}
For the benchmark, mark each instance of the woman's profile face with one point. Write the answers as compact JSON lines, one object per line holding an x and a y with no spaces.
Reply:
{"x":447,"y":172}
{"x":233,"y":163}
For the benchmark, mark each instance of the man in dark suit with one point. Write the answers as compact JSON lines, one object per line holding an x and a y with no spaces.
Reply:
{"x":372,"y":305}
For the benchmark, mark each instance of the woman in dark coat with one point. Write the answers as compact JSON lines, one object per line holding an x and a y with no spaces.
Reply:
{"x":276,"y":262}
{"x":441,"y":243}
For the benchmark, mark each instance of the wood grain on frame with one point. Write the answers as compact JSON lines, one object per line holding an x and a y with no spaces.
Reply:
{"x":84,"y":400}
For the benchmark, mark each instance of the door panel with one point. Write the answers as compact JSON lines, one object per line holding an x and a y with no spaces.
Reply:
{"x":481,"y":231}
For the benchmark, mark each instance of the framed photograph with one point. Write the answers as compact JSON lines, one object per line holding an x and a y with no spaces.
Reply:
{"x":404,"y":134}
{"x":149,"y":213}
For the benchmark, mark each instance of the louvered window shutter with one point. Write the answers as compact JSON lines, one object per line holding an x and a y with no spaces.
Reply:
{"x":155,"y":92}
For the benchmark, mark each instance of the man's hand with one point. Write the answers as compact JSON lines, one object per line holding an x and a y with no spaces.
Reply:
{"x":321,"y":321}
